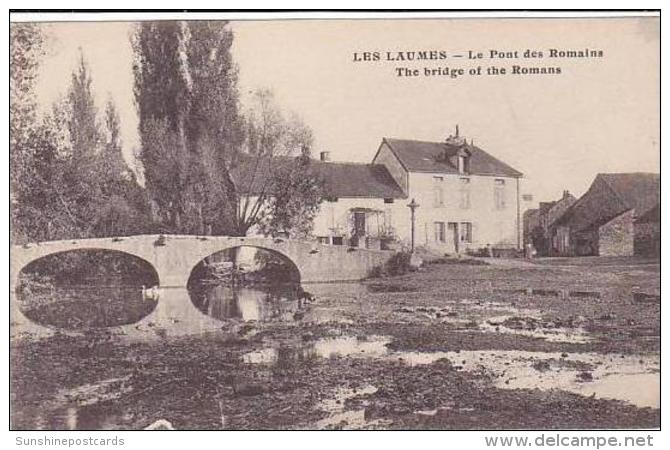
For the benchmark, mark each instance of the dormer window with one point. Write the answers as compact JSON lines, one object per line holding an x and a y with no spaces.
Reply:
{"x":463,"y":164}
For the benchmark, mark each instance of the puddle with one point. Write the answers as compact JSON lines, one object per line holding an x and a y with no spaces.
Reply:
{"x":634,"y":379}
{"x":618,"y":377}
{"x":79,"y":408}
{"x":536,"y":328}
{"x":345,"y":346}
{"x":339,"y":417}
{"x":91,"y":417}
{"x":561,"y":293}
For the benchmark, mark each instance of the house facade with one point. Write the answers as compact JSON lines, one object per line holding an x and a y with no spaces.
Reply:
{"x":467,"y":199}
{"x":604,"y":220}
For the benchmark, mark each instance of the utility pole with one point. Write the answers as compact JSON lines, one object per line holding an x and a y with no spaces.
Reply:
{"x":412,"y":207}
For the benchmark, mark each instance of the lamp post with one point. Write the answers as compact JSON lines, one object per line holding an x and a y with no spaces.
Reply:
{"x":412,"y":207}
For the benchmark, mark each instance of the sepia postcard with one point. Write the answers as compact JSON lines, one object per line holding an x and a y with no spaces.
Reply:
{"x":436,"y":221}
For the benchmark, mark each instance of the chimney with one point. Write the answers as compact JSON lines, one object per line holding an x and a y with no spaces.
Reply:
{"x":456,"y":140}
{"x":325,"y":156}
{"x":566,"y":194}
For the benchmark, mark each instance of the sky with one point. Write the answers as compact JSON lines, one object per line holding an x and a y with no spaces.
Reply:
{"x":598,"y":115}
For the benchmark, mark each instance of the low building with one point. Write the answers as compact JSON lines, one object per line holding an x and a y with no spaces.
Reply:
{"x":361,"y":201}
{"x":603,"y":221}
{"x":539,"y":222}
{"x":647,"y":228}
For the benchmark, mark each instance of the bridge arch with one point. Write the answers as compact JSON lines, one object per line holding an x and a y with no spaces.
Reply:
{"x":87,"y":288}
{"x":23,"y":258}
{"x":294,"y":272}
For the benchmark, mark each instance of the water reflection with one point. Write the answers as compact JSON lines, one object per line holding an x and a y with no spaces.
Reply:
{"x":73,"y":417}
{"x":83,"y":307}
{"x":263,"y":302}
{"x":332,"y":347}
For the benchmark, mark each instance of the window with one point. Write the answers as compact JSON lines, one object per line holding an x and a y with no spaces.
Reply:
{"x":465,"y":193}
{"x":463,"y":164}
{"x":331,"y":199}
{"x":440,"y":234}
{"x":388,"y":218}
{"x":499,"y":193}
{"x":438,"y":192}
{"x":338,"y":240}
{"x":466,"y":232}
{"x":388,"y":200}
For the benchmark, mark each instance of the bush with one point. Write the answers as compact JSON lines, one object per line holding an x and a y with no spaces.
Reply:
{"x":398,"y":264}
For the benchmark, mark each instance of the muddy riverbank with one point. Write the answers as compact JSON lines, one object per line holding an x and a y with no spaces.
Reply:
{"x":453,"y":346}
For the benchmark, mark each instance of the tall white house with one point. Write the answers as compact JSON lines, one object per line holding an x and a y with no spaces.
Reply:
{"x":467,"y":198}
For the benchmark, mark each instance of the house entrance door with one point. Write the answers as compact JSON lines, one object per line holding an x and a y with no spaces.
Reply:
{"x":359,"y":227}
{"x":453,"y":236}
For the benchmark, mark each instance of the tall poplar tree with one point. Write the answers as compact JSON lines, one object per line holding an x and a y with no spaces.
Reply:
{"x":161,"y":99}
{"x":190,"y":129}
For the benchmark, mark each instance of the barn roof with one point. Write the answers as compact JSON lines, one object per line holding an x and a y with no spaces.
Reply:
{"x":651,"y":216}
{"x":641,"y":191}
{"x":612,"y":194}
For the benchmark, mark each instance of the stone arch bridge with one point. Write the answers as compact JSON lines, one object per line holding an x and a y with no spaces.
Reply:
{"x":174,"y":256}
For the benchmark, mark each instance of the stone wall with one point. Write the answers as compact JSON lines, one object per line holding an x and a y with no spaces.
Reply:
{"x":616,"y":237}
{"x":647,"y":239}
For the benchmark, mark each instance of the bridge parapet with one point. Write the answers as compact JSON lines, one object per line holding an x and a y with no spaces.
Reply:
{"x":174,"y":256}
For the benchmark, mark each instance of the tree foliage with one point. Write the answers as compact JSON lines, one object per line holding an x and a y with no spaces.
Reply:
{"x":189,"y":139}
{"x":26,"y":47}
{"x":297,"y":193}
{"x":280,"y":192}
{"x":69,"y":175}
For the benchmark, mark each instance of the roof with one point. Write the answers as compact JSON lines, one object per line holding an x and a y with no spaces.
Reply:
{"x":423,"y":156}
{"x":641,"y":191}
{"x":651,"y":216}
{"x":557,"y":208}
{"x":545,"y":207}
{"x":612,"y":194}
{"x":340,"y":179}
